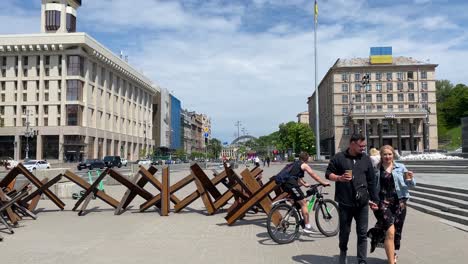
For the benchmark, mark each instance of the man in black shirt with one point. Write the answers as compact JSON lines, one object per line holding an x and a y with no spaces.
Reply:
{"x":339,"y":170}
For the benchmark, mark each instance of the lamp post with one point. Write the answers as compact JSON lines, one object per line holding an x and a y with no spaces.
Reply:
{"x":28,"y":133}
{"x":365,"y":82}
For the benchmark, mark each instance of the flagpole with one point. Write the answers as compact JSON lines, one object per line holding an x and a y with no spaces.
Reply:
{"x":317,"y":130}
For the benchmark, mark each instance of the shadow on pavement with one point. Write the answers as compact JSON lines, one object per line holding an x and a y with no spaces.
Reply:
{"x":313,"y":259}
{"x":267,"y":241}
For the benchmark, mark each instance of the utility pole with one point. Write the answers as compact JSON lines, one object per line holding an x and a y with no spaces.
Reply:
{"x":365,"y":83}
{"x":238,"y":125}
{"x":28,"y":133}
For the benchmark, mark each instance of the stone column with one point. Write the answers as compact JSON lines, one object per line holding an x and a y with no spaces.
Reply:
{"x":61,"y":147}
{"x":398,"y":125}
{"x":411,"y":126}
{"x":96,"y":148}
{"x":380,"y":131}
{"x":112,"y":146}
{"x":17,"y":148}
{"x":39,"y":153}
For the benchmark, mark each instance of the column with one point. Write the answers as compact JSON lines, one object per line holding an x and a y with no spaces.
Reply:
{"x":411,"y":141}
{"x":425,"y":135}
{"x":39,"y":147}
{"x":112,"y":146}
{"x":398,"y":125}
{"x":104,"y":147}
{"x":96,"y":148}
{"x":61,"y":150}
{"x":17,"y":145}
{"x":380,"y":131}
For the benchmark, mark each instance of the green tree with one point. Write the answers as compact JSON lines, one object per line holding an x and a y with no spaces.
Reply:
{"x":443,"y":88}
{"x":214,"y":148}
{"x":296,"y":136}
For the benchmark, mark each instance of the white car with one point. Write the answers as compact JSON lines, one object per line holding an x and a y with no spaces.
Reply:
{"x":33,"y":165}
{"x":144,"y":162}
{"x":124,"y":162}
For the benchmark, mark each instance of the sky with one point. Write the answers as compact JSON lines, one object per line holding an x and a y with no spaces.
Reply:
{"x":253,"y":60}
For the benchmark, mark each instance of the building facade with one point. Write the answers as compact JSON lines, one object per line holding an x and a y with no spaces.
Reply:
{"x":303,"y":117}
{"x":80,"y":99}
{"x":397,"y":106}
{"x":176,"y":128}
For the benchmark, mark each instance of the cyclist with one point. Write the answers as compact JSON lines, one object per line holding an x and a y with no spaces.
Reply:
{"x":293,"y":185}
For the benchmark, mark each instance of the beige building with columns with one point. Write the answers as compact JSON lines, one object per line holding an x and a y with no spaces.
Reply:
{"x":398,"y":104}
{"x":80,"y":99}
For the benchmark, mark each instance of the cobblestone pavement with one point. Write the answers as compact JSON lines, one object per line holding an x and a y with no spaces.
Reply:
{"x":193,"y":237}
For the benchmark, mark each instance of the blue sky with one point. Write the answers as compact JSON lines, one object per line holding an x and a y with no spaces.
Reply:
{"x":252,"y":60}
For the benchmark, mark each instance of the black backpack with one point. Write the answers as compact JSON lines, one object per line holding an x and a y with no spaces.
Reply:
{"x":285,"y":174}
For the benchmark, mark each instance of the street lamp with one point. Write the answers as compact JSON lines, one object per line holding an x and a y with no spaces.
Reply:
{"x":28,"y":133}
{"x":365,"y":83}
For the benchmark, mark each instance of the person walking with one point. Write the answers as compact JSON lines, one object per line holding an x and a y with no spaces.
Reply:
{"x":393,"y":182}
{"x":354,"y":176}
{"x":268,"y":161}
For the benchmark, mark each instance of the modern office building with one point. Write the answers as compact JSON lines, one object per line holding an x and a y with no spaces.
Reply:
{"x":397,"y":104}
{"x":74,"y":96}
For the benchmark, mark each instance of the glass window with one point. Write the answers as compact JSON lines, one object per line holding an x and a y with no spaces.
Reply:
{"x":411,"y":86}
{"x":390,"y":107}
{"x":389,"y":97}
{"x":344,"y":110}
{"x":357,"y":87}
{"x":357,"y":98}
{"x":72,"y":115}
{"x":103,"y":76}
{"x":379,"y":108}
{"x":345,"y":120}
{"x":52,"y":21}
{"x":368,"y":87}
{"x":389,"y":87}
{"x":378,"y":76}
{"x":400,"y":97}
{"x":344,"y":77}
{"x":378,"y":87}
{"x":344,"y":87}
{"x":400,"y":86}
{"x":379,"y":97}
{"x":370,"y":75}
{"x":344,"y":98}
{"x":401,"y":107}
{"x":389,"y":76}
{"x":74,"y":90}
{"x":346,"y":131}
{"x":423,"y":75}
{"x":411,"y":97}
{"x":358,"y":107}
{"x":410,"y":75}
{"x":424,"y":96}
{"x":399,"y":76}
{"x":71,"y":23}
{"x":368,"y":108}
{"x":357,"y":77}
{"x":424,"y":86}
{"x":75,"y":66}
{"x":368,"y":98}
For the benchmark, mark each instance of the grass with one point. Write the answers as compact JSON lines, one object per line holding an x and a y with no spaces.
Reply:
{"x":449,"y":139}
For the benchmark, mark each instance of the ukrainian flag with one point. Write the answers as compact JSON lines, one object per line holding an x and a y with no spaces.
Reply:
{"x":381,"y":55}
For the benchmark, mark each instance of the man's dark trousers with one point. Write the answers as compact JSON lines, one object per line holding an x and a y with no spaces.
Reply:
{"x":361,"y":216}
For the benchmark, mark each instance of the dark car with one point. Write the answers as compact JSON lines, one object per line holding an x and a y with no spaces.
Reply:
{"x":91,"y":164}
{"x":112,"y":161}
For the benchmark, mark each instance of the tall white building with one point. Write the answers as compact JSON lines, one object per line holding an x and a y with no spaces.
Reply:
{"x":79,"y":99}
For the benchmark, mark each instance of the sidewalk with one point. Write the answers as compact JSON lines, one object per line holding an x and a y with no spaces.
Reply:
{"x":193,"y":237}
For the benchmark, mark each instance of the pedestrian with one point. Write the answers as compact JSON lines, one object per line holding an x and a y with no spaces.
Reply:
{"x":355,"y":184}
{"x":264,"y":161}
{"x":257,"y":161}
{"x":393,"y":181}
{"x":375,"y":157}
{"x":268,"y":161}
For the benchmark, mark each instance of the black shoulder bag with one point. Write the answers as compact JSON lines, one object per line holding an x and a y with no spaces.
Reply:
{"x":360,"y":193}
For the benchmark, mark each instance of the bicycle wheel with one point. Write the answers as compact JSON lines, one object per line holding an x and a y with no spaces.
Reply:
{"x":327,"y":217}
{"x":283,"y":223}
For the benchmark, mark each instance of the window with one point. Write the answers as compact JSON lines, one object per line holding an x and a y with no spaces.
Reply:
{"x":378,"y":76}
{"x":25,"y":85}
{"x":389,"y":76}
{"x":344,"y":77}
{"x":25,"y":72}
{"x":46,"y":109}
{"x":370,"y":75}
{"x":75,"y":65}
{"x":46,"y":97}
{"x":368,"y":108}
{"x":47,"y":72}
{"x":424,"y":86}
{"x":357,"y":87}
{"x":344,"y":98}
{"x":378,"y":87}
{"x":46,"y":121}
{"x":72,"y":115}
{"x":389,"y":87}
{"x":102,"y":77}
{"x":3,"y":98}
{"x":344,"y":110}
{"x":3,"y":85}
{"x":389,"y":97}
{"x":25,"y":61}
{"x":379,"y":97}
{"x":71,"y":23}
{"x":410,"y":75}
{"x":400,"y":86}
{"x":346,"y":131}
{"x":411,"y":97}
{"x":410,"y":86}
{"x":74,"y":90}
{"x":411,"y":106}
{"x":52,"y":22}
{"x":401,"y":97}
{"x":379,"y":108}
{"x":357,"y":77}
{"x":344,"y":87}
{"x":424,"y":97}
{"x":423,"y":75}
{"x":401,"y":107}
{"x":345,"y":120}
{"x":368,"y":98}
{"x":47,"y":60}
{"x":399,"y":76}
{"x":390,"y":107}
{"x":25,"y":97}
{"x":368,"y":87}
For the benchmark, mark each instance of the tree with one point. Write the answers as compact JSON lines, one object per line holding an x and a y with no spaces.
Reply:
{"x":296,"y":136}
{"x":214,"y":148}
{"x":454,"y":105}
{"x":443,"y":88}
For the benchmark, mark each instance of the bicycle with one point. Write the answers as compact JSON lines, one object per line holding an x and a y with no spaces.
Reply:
{"x":285,"y":217}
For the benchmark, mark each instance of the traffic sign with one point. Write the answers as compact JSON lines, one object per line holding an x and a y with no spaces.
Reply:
{"x":206,"y":135}
{"x":206,"y":129}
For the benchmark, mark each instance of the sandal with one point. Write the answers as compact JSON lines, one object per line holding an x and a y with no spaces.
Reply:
{"x":396,"y":258}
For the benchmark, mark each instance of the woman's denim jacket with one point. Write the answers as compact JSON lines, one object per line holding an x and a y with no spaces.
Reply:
{"x":401,"y":185}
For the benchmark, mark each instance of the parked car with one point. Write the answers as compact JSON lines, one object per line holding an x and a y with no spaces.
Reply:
{"x":91,"y":164}
{"x":124,"y":162}
{"x":8,"y":162}
{"x":33,"y":165}
{"x":112,"y":161}
{"x":143,"y":162}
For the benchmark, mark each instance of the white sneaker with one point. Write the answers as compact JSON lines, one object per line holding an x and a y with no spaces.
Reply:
{"x":309,"y":231}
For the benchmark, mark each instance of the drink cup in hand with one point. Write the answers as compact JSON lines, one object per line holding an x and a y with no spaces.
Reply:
{"x":348,"y":175}
{"x":408,"y":175}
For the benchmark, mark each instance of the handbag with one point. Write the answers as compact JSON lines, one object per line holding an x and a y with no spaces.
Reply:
{"x":361,"y":194}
